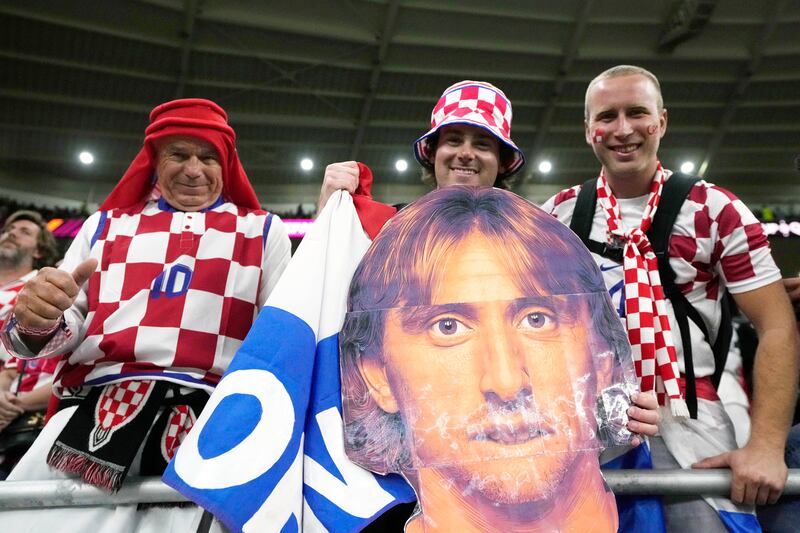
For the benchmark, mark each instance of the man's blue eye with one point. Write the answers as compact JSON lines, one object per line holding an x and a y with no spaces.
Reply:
{"x":448,"y":326}
{"x":447,"y":330}
{"x":536,"y":320}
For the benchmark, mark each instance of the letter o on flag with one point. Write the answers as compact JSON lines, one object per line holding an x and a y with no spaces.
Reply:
{"x":257,"y":452}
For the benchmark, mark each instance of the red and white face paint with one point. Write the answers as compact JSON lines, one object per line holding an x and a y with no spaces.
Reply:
{"x":597,"y":135}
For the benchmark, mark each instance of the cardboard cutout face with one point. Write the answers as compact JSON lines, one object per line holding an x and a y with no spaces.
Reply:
{"x":481,"y":358}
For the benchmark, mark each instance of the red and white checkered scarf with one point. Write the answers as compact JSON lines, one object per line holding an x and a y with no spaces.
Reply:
{"x":646,"y":311}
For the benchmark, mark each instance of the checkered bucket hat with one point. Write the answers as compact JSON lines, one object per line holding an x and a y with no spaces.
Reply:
{"x":475,"y":103}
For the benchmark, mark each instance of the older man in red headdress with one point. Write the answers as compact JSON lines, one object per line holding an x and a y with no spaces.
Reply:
{"x":155,"y":295}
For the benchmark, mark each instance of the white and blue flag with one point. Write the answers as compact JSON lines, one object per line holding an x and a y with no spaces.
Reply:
{"x":267,"y":453}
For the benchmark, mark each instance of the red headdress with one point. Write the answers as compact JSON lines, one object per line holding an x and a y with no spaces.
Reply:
{"x":190,"y":117}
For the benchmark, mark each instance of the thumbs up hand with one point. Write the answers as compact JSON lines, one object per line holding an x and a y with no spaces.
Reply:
{"x":44,"y":298}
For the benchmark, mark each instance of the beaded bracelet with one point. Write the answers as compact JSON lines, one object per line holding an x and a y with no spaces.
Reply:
{"x":39,"y":332}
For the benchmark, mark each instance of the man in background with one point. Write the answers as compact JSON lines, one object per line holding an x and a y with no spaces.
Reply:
{"x":26,"y":245}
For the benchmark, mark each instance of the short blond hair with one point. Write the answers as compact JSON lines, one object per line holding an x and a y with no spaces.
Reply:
{"x":618,"y":72}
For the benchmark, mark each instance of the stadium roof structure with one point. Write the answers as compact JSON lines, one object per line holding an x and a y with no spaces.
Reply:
{"x":356,"y":79}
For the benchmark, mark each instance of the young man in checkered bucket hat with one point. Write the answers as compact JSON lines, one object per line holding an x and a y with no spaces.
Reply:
{"x":469,"y":143}
{"x":471,"y":134}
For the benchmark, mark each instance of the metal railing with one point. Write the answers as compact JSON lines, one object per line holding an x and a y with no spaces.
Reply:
{"x":71,"y":493}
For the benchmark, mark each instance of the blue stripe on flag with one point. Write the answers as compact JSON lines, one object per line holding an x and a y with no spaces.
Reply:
{"x":324,"y":396}
{"x":326,"y":393}
{"x":740,"y":522}
{"x":290,"y":526}
{"x":289,"y":339}
{"x":281,"y":345}
{"x":638,"y":514}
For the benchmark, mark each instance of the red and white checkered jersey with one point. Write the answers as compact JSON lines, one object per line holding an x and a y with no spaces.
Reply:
{"x":8,"y":297}
{"x":32,"y":373}
{"x":715,"y":242}
{"x":173,"y":296}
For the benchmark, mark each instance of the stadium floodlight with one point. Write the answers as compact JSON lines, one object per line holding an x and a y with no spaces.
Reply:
{"x":545,"y":167}
{"x":687,"y":167}
{"x":86,"y":157}
{"x":306,"y":164}
{"x":401,"y":165}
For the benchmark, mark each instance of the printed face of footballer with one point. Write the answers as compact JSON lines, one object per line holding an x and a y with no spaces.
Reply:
{"x":491,"y":384}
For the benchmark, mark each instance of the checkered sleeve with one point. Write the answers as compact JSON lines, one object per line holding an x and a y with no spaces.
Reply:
{"x":277,"y":252}
{"x":741,"y":252}
{"x":562,"y":204}
{"x":70,"y":334}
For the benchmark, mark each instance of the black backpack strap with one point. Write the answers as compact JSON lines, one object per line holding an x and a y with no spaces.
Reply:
{"x":673,"y":195}
{"x":682,"y":309}
{"x":722,"y":343}
{"x":583,"y":213}
{"x":582,"y":218}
